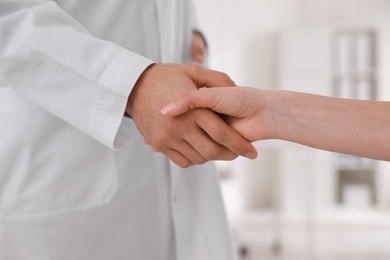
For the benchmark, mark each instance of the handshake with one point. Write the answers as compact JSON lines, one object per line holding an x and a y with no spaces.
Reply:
{"x":188,"y":137}
{"x":194,"y":115}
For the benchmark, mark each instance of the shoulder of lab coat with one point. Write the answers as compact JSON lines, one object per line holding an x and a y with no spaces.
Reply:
{"x":50,"y":59}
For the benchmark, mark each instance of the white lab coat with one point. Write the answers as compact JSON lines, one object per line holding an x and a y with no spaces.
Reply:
{"x":76,"y":181}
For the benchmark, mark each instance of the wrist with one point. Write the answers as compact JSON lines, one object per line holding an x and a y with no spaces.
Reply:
{"x":136,"y":91}
{"x":276,"y":113}
{"x":293,"y":114}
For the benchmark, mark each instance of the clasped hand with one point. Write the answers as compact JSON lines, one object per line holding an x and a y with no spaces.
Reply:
{"x":195,"y":137}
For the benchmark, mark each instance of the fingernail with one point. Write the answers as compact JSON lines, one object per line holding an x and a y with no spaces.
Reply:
{"x":168,"y":108}
{"x":251,"y":155}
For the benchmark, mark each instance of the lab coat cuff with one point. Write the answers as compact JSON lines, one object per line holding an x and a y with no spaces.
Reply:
{"x":108,"y":123}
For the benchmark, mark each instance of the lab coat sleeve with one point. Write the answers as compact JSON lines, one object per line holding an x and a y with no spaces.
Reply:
{"x":50,"y":59}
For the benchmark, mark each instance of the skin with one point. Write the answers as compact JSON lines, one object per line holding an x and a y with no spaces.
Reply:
{"x":354,"y":127}
{"x":198,"y":54}
{"x":194,"y":138}
{"x":198,"y":48}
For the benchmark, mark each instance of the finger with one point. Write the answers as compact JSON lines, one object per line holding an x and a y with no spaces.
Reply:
{"x":203,"y":77}
{"x":223,"y":134}
{"x":198,"y":49}
{"x":199,"y":57}
{"x":188,"y":151}
{"x":198,"y":54}
{"x":183,"y":147}
{"x":178,"y":158}
{"x":146,"y":142}
{"x":191,"y":100}
{"x":208,"y":148}
{"x":194,"y":143}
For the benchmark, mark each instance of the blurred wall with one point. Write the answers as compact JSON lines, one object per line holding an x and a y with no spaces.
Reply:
{"x":342,"y":10}
{"x":243,"y":36}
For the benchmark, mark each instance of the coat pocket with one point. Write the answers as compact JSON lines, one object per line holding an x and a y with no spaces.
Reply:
{"x":48,"y":167}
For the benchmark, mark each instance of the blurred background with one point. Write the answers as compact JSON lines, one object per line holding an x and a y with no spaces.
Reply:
{"x":295,"y":202}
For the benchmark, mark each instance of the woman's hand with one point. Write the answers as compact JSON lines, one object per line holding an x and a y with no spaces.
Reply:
{"x":242,"y":108}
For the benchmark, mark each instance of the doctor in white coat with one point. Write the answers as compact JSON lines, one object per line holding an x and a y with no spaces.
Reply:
{"x":76,"y":180}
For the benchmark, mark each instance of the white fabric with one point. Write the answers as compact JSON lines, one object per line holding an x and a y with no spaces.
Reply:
{"x":76,"y":181}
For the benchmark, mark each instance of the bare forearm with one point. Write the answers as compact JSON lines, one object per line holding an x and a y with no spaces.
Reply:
{"x":348,"y":126}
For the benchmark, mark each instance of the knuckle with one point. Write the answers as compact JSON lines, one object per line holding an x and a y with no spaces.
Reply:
{"x":201,"y":161}
{"x":208,"y":149}
{"x":173,"y":126}
{"x":185,"y":164}
{"x":159,"y":143}
{"x":212,"y":154}
{"x":227,"y":78}
{"x":164,"y":141}
{"x":196,"y":68}
{"x":238,"y":148}
{"x":231,"y":156}
{"x":224,"y":75}
{"x":181,"y":161}
{"x":219,"y":134}
{"x":159,"y":148}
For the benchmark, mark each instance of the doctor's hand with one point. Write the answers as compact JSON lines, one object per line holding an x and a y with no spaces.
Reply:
{"x":198,"y":48}
{"x":194,"y":138}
